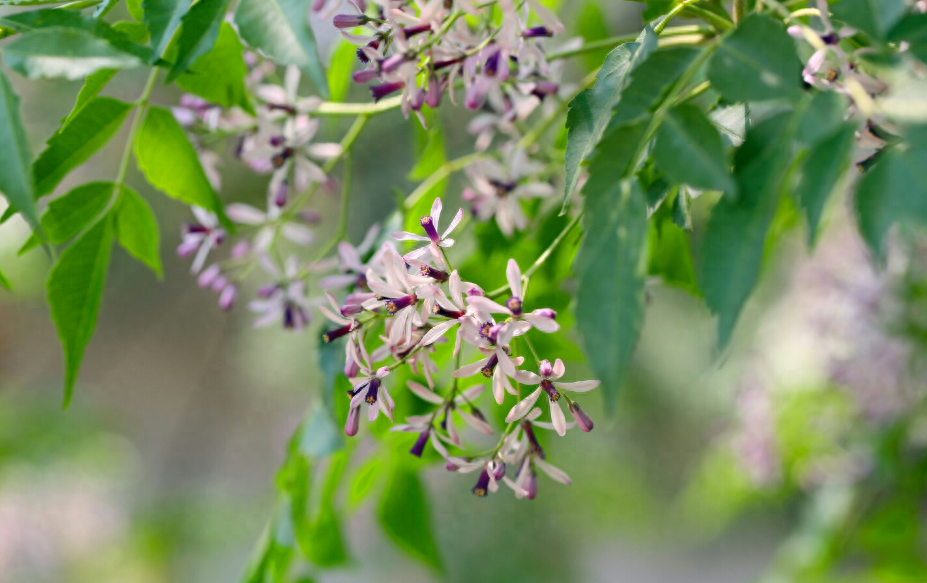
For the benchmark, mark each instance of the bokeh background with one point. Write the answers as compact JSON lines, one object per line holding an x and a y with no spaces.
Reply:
{"x":746,"y":465}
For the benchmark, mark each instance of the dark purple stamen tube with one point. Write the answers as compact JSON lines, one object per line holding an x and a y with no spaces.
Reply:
{"x":392,"y":62}
{"x":393,"y":306}
{"x":384,"y":89}
{"x":499,"y":471}
{"x":453,"y":314}
{"x":534,"y":447}
{"x":419,"y":446}
{"x":435,"y":274}
{"x":490,"y":366}
{"x":430,"y":229}
{"x":414,"y":30}
{"x":551,"y":390}
{"x":535,"y":32}
{"x":531,"y":485}
{"x":335,"y":334}
{"x":372,"y":393}
{"x":482,"y":484}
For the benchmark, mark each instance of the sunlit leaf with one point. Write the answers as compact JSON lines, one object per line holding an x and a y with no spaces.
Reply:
{"x":198,"y":33}
{"x":71,"y":213}
{"x":339,"y":71}
{"x":219,"y":75}
{"x":93,"y":84}
{"x":137,"y":229}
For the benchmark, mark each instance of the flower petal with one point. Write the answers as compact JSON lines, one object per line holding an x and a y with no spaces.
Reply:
{"x":437,"y":332}
{"x":513,"y":274}
{"x":557,"y":419}
{"x":486,"y":305}
{"x":523,"y":406}
{"x":423,"y":393}
{"x":578,"y":387}
{"x":456,"y":221}
{"x":468,"y":370}
{"x":527,"y":378}
{"x":542,"y":323}
{"x":436,"y":207}
{"x":555,"y":474}
{"x":407,"y":236}
{"x":559,"y":369}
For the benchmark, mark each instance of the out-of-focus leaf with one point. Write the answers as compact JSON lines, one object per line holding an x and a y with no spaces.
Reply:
{"x":219,"y":75}
{"x":671,"y":255}
{"x":104,"y":7}
{"x":74,"y":143}
{"x":67,"y":53}
{"x":170,"y":164}
{"x":319,"y":436}
{"x":319,"y":533}
{"x":68,"y":215}
{"x":652,"y":79}
{"x":430,"y":153}
{"x":731,"y":249}
{"x":364,"y":479}
{"x":591,"y":25}
{"x":892,"y":191}
{"x":162,"y":17}
{"x":822,"y":118}
{"x":93,"y":84}
{"x":135,"y":9}
{"x":611,"y":267}
{"x":137,"y":229}
{"x":820,"y":172}
{"x":5,"y":282}
{"x":198,"y":33}
{"x":15,"y":157}
{"x":405,"y":516}
{"x":280,"y":28}
{"x":689,"y":150}
{"x":913,"y":29}
{"x":756,"y":61}
{"x":121,"y":35}
{"x":874,"y":17}
{"x":591,"y":110}
{"x":339,"y":71}
{"x":731,"y":121}
{"x":75,"y":288}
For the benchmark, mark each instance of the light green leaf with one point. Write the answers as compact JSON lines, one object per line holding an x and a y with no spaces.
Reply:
{"x":137,"y":229}
{"x":874,"y":17}
{"x":689,"y":150}
{"x":198,"y":34}
{"x":591,"y":109}
{"x":892,"y":191}
{"x":756,"y":61}
{"x":69,"y":53}
{"x":162,"y":17}
{"x":75,"y":288}
{"x":119,"y":36}
{"x":339,"y":71}
{"x":28,"y":2}
{"x":93,"y":84}
{"x":319,"y":436}
{"x":104,"y":7}
{"x":68,"y":215}
{"x":731,"y":249}
{"x":405,"y":516}
{"x":820,"y":172}
{"x":169,"y":162}
{"x":318,"y":532}
{"x":219,"y":75}
{"x":364,"y":479}
{"x":74,"y":143}
{"x":15,"y":157}
{"x":5,"y":282}
{"x":611,"y":267}
{"x":280,"y":29}
{"x":135,"y":9}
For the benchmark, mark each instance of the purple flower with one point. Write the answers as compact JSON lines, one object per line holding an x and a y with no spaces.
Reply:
{"x":369,"y":388}
{"x":542,"y":319}
{"x":549,"y":374}
{"x":435,"y":241}
{"x":200,"y":238}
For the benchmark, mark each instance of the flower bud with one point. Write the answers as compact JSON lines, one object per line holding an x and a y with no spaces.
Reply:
{"x":433,"y":95}
{"x":419,"y":446}
{"x":582,"y":420}
{"x":187,"y":248}
{"x":219,"y":283}
{"x":384,"y":89}
{"x":240,"y":249}
{"x":208,"y":275}
{"x":227,"y":297}
{"x":498,"y":472}
{"x":531,"y":484}
{"x":351,"y":368}
{"x":349,"y":20}
{"x":352,"y":424}
{"x":392,"y":62}
{"x":365,"y":76}
{"x":281,"y":195}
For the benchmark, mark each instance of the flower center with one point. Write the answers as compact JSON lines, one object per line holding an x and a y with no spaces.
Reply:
{"x":514,"y":305}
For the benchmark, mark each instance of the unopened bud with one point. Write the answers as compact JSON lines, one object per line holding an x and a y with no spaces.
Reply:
{"x":582,"y":420}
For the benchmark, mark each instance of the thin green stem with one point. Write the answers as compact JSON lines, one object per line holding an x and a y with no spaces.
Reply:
{"x":614,"y":41}
{"x":534,"y":352}
{"x":716,"y":20}
{"x":335,"y":109}
{"x":140,"y":106}
{"x":438,"y":175}
{"x":740,"y":9}
{"x":672,"y":13}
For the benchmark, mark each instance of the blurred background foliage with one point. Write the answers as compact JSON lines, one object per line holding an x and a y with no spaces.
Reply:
{"x":797,"y":455}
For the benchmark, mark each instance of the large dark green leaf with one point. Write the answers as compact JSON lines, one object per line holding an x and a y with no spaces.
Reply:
{"x":874,"y":17}
{"x":756,"y":61}
{"x":611,"y":267}
{"x":612,"y":158}
{"x":689,"y":150}
{"x":318,"y":531}
{"x":280,"y":28}
{"x":893,"y":191}
{"x":162,"y":17}
{"x":75,"y":288}
{"x":90,"y":129}
{"x":137,"y":229}
{"x":68,"y":215}
{"x":650,"y":83}
{"x":15,"y":157}
{"x":731,"y":249}
{"x":591,"y":109}
{"x":913,"y":29}
{"x":820,"y":172}
{"x":405,"y":516}
{"x":198,"y":34}
{"x":120,"y":35}
{"x":219,"y":75}
{"x":822,"y":118}
{"x":170,"y":163}
{"x":731,"y":121}
{"x":63,"y":52}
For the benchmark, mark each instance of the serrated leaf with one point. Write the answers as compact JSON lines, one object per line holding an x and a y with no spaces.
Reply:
{"x":74,"y":143}
{"x":892,"y":191}
{"x":66,"y":53}
{"x":756,"y":61}
{"x":611,"y":267}
{"x":219,"y":75}
{"x":405,"y":516}
{"x":162,"y":17}
{"x":731,"y":250}
{"x":15,"y":157}
{"x":591,"y":109}
{"x":137,"y":229}
{"x":689,"y":150}
{"x":169,"y":162}
{"x":198,"y":33}
{"x":93,"y":84}
{"x":820,"y":172}
{"x":280,"y":29}
{"x":75,"y":288}
{"x":650,"y":83}
{"x":874,"y":17}
{"x":71,"y":213}
{"x":339,"y":71}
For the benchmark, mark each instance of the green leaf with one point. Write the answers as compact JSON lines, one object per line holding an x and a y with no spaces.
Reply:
{"x":689,"y":150}
{"x":822,"y":118}
{"x":119,"y":36}
{"x":280,"y":28}
{"x":93,"y":84}
{"x":671,"y":255}
{"x":219,"y":75}
{"x":874,"y":17}
{"x":682,"y":209}
{"x":71,"y":213}
{"x":405,"y":516}
{"x":74,"y":143}
{"x":75,"y":288}
{"x":15,"y":157}
{"x":913,"y":29}
{"x":162,"y":17}
{"x":319,"y":533}
{"x":892,"y":191}
{"x":611,"y":267}
{"x":820,"y":172}
{"x":650,"y":82}
{"x":135,"y":9}
{"x":28,"y":2}
{"x":104,"y":7}
{"x":731,"y":250}
{"x":591,"y":24}
{"x":591,"y":109}
{"x":756,"y":61}
{"x":731,"y":121}
{"x":63,"y":52}
{"x":318,"y":436}
{"x":198,"y":34}
{"x":364,"y":480}
{"x":339,"y":71}
{"x":5,"y":282}
{"x":169,"y":162}
{"x":137,"y":229}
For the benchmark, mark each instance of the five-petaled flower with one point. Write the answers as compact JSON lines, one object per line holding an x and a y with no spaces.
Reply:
{"x":435,"y":241}
{"x":549,"y":374}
